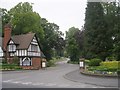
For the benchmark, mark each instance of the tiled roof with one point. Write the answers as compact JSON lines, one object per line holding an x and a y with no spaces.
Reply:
{"x":23,"y":41}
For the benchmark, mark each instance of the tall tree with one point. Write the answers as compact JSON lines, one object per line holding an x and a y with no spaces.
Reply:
{"x":111,"y":13}
{"x":117,"y":33}
{"x":79,"y":37}
{"x":72,"y":45}
{"x":97,"y":40}
{"x":53,"y":39}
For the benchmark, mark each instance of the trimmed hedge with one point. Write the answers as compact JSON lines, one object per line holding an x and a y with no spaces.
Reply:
{"x":95,"y":62}
{"x":109,"y":64}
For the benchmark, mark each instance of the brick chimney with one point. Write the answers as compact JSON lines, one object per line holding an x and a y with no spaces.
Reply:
{"x":7,"y":35}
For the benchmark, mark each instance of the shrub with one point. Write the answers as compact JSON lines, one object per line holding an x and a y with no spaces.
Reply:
{"x":73,"y":62}
{"x":11,"y":66}
{"x":4,"y":61}
{"x":110,"y":64}
{"x":95,"y":62}
{"x":111,"y":58}
{"x":87,"y":62}
{"x":15,"y":60}
{"x":50,"y":63}
{"x":91,"y":68}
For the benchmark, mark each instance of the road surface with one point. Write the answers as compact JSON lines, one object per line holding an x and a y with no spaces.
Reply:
{"x":52,"y":77}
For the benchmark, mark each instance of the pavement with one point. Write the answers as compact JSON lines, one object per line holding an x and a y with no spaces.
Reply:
{"x":76,"y":76}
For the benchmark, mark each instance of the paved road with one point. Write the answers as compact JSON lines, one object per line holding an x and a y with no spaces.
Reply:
{"x":52,"y":77}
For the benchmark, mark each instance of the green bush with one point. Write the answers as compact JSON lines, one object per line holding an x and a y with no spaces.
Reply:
{"x":4,"y":61}
{"x":73,"y":62}
{"x":87,"y":62}
{"x":91,"y":68}
{"x":15,"y":60}
{"x":110,"y":64}
{"x":50,"y":63}
{"x":111,"y":58}
{"x":11,"y":66}
{"x":94,"y":62}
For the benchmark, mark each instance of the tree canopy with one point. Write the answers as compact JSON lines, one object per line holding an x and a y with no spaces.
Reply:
{"x":23,"y":20}
{"x":72,"y":47}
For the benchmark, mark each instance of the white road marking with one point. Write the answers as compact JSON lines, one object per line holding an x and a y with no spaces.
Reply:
{"x":50,"y":84}
{"x":38,"y":84}
{"x":26,"y":83}
{"x":16,"y":82}
{"x":7,"y":81}
{"x":19,"y":78}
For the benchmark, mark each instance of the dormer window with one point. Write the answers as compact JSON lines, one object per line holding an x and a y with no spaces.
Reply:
{"x":11,"y":46}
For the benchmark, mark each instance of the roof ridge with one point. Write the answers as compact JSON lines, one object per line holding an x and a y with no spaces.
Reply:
{"x":22,"y":34}
{"x":23,"y":40}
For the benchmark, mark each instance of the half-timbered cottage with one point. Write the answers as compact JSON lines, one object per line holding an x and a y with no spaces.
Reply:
{"x":26,"y":47}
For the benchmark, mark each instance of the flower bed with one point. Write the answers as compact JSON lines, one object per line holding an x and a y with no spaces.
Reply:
{"x":109,"y":68}
{"x":103,"y":74}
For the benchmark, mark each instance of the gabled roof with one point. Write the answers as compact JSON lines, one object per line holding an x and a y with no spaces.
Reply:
{"x":23,"y":41}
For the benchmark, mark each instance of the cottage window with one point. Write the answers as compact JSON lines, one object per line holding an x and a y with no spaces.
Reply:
{"x":34,"y":48}
{"x":11,"y":48}
{"x":12,"y":54}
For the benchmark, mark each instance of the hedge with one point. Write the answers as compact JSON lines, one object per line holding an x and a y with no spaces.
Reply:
{"x":10,"y":66}
{"x":109,"y":64}
{"x":94,"y":62}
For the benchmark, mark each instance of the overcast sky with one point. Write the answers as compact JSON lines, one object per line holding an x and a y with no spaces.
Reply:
{"x":65,"y":13}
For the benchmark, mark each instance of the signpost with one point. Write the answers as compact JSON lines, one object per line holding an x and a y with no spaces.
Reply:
{"x":82,"y":64}
{"x":43,"y":63}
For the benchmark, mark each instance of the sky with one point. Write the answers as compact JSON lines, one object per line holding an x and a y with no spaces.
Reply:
{"x":64,"y":13}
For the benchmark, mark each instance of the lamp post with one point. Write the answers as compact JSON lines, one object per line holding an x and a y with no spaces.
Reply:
{"x":82,"y":64}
